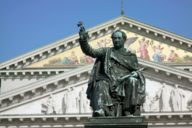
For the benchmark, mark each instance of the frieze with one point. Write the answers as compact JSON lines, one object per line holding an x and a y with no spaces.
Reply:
{"x":61,"y":81}
{"x":160,"y":97}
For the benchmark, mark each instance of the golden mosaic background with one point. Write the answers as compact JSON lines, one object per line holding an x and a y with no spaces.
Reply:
{"x":145,"y":48}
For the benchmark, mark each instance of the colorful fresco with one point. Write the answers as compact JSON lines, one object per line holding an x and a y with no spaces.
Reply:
{"x":74,"y":56}
{"x":152,"y":50}
{"x":145,"y":48}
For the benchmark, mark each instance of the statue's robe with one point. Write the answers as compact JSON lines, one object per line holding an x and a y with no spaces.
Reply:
{"x":104,"y":88}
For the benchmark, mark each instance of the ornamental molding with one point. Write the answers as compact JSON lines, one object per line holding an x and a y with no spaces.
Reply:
{"x":5,"y":74}
{"x":121,"y":22}
{"x":79,"y":76}
{"x":186,"y":67}
{"x":154,"y":120}
{"x":42,"y":88}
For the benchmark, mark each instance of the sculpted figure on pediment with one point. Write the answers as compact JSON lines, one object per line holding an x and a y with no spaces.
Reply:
{"x":116,"y":86}
{"x":148,"y":103}
{"x":64,"y":102}
{"x":49,"y":106}
{"x":189,"y":103}
{"x":163,"y":98}
{"x":70,"y":101}
{"x":177,"y":97}
{"x":83,"y":102}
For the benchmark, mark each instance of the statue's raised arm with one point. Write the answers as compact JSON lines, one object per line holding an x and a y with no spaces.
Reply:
{"x":83,"y":41}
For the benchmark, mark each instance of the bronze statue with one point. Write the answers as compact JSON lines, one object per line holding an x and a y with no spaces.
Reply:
{"x":116,"y":86}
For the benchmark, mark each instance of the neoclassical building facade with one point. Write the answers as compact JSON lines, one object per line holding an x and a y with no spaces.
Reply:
{"x":46,"y":87}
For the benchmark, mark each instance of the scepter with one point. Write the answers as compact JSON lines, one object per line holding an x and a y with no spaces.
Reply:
{"x":82,"y":30}
{"x":124,"y":77}
{"x":80,"y":24}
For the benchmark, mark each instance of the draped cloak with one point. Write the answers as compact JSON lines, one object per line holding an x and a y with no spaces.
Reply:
{"x":104,"y":81}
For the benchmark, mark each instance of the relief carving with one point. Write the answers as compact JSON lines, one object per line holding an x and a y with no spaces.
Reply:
{"x":176,"y":99}
{"x":48,"y":107}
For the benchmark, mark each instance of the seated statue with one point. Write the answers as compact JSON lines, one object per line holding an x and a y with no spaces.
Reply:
{"x":116,"y":86}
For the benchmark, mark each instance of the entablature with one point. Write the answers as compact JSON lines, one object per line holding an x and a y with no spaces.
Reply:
{"x":154,"y":120}
{"x":80,"y":75}
{"x":30,"y":73}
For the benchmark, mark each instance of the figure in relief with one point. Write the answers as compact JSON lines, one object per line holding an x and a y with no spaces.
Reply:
{"x":163,"y":97}
{"x":189,"y":103}
{"x":64,"y":102}
{"x":83,"y":102}
{"x":177,"y":97}
{"x":147,"y":105}
{"x":49,"y":106}
{"x":70,"y":101}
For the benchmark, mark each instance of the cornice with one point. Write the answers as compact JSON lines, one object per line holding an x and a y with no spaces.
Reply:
{"x":30,"y":73}
{"x":43,"y":87}
{"x":54,"y":48}
{"x":38,"y":54}
{"x":168,"y":70}
{"x":80,"y":76}
{"x":158,"y":31}
{"x":51,"y":80}
{"x":166,"y":74}
{"x":95,"y":32}
{"x":155,"y":120}
{"x":185,"y":67}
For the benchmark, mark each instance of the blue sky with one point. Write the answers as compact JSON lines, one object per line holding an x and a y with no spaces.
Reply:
{"x":26,"y":25}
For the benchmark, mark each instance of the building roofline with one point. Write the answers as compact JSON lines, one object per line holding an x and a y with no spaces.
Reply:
{"x":94,"y":32}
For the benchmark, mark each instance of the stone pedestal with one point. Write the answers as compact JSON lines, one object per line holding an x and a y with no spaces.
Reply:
{"x":116,"y":122}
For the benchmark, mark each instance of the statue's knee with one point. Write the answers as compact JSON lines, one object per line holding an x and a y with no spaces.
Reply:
{"x":133,"y":80}
{"x":102,"y":86}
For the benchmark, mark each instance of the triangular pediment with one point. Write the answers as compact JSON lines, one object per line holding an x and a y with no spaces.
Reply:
{"x":161,"y":45}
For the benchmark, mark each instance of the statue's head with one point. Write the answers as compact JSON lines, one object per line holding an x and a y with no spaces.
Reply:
{"x":118,"y":38}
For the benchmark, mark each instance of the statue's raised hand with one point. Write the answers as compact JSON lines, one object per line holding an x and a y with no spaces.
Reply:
{"x":83,"y":35}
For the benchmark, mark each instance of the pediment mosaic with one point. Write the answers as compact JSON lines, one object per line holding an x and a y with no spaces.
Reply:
{"x":145,"y":48}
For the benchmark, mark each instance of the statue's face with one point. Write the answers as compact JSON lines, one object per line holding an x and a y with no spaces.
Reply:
{"x":118,"y":41}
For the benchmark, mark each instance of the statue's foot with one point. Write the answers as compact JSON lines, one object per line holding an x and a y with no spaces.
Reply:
{"x":127,"y":113}
{"x":137,"y":111}
{"x":98,"y":113}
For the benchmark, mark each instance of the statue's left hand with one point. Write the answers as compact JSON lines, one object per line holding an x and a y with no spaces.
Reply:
{"x":120,"y":79}
{"x":134,"y":74}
